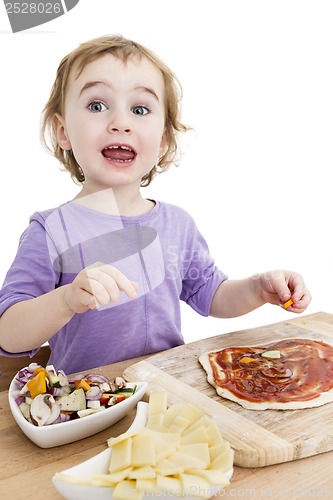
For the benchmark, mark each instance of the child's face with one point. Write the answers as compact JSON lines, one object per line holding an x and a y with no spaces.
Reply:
{"x":114,"y":121}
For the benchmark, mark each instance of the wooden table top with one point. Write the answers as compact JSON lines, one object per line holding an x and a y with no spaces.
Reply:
{"x":26,"y":470}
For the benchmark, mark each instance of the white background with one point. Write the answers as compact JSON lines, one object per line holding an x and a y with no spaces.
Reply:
{"x":257,"y":78}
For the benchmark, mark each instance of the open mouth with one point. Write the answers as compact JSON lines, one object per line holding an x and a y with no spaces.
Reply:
{"x":119,"y":153}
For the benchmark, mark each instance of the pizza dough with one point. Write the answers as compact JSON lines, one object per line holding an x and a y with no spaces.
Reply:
{"x":287,"y":374}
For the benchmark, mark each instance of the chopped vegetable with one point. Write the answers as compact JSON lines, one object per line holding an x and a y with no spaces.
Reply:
{"x":44,"y":410}
{"x":49,"y":397}
{"x":89,"y":411}
{"x":271,"y":354}
{"x":82,"y":383}
{"x":246,"y":359}
{"x":75,"y":401}
{"x":52,"y":376}
{"x":288,"y":304}
{"x":37,"y":385}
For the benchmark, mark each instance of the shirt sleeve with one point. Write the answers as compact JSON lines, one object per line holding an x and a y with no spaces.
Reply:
{"x":201,"y":276}
{"x":30,"y":275}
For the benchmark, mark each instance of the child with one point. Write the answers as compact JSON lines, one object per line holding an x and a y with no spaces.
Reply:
{"x":100,"y":277}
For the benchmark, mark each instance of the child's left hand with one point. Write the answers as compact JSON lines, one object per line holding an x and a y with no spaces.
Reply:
{"x":280,"y":286}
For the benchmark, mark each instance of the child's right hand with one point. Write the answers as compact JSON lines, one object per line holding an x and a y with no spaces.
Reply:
{"x":97,"y":285}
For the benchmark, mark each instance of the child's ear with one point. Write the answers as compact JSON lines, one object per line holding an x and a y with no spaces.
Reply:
{"x":60,"y":132}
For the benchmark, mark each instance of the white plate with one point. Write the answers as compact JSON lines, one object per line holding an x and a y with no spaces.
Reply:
{"x":99,"y":464}
{"x":66,"y":432}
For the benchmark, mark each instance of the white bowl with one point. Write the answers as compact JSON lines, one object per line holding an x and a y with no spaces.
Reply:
{"x":66,"y":432}
{"x":99,"y":464}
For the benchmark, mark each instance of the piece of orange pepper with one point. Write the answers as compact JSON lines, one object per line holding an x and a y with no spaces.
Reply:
{"x":37,"y":385}
{"x":82,"y":384}
{"x":246,"y":359}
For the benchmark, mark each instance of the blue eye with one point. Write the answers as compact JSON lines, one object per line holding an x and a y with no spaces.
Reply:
{"x":140,"y":110}
{"x":97,"y":107}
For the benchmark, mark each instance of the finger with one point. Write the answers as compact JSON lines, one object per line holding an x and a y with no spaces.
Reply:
{"x":123,"y":283}
{"x":80,"y":301}
{"x":135,"y":285}
{"x":303,"y":302}
{"x":281,"y":289}
{"x":88,"y":283}
{"x":93,"y":303}
{"x":298,"y":288}
{"x":300,"y":305}
{"x":106,"y":282}
{"x":103,"y":289}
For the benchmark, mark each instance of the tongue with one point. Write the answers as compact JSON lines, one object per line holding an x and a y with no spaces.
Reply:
{"x":118,"y":154}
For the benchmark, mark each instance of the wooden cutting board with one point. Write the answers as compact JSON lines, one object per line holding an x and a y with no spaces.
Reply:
{"x":259,"y":438}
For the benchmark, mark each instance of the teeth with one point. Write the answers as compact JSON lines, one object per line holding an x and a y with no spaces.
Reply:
{"x":121,"y":147}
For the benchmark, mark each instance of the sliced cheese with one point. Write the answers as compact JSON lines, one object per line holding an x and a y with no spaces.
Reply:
{"x":213,"y":476}
{"x":219,"y":449}
{"x":180,"y":452}
{"x":178,"y":424}
{"x":143,"y":452}
{"x":157,"y":402}
{"x":121,"y":455}
{"x":122,"y":437}
{"x":126,"y":490}
{"x":186,"y":461}
{"x":214,"y":434}
{"x":223,"y":462}
{"x":167,"y":468}
{"x":156,"y":422}
{"x":205,"y":421}
{"x":165,"y":443}
{"x":146,"y":472}
{"x":199,"y":435}
{"x":172,"y":412}
{"x":191,"y":413}
{"x":195,"y":486}
{"x":120,"y":475}
{"x":146,"y":485}
{"x":170,"y":486}
{"x":197,"y":451}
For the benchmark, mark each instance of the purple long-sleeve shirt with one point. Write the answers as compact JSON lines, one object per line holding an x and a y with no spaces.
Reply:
{"x":162,"y":250}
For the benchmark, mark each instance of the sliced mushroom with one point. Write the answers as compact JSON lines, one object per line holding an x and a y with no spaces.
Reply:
{"x":120,"y":382}
{"x":55,"y":412}
{"x":104,"y":387}
{"x":25,"y":409}
{"x":113,"y":387}
{"x":112,"y":401}
{"x":41,"y":409}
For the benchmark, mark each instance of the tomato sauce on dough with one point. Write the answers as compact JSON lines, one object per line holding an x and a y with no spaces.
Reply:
{"x":303,"y":371}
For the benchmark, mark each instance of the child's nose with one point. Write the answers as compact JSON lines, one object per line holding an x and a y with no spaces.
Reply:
{"x":120,"y":123}
{"x":120,"y":129}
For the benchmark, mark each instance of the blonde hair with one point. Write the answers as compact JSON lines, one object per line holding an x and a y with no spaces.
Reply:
{"x":123,"y":49}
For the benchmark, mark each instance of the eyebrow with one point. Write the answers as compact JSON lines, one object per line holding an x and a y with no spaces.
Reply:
{"x":88,"y":85}
{"x":141,"y":88}
{"x":149,"y":90}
